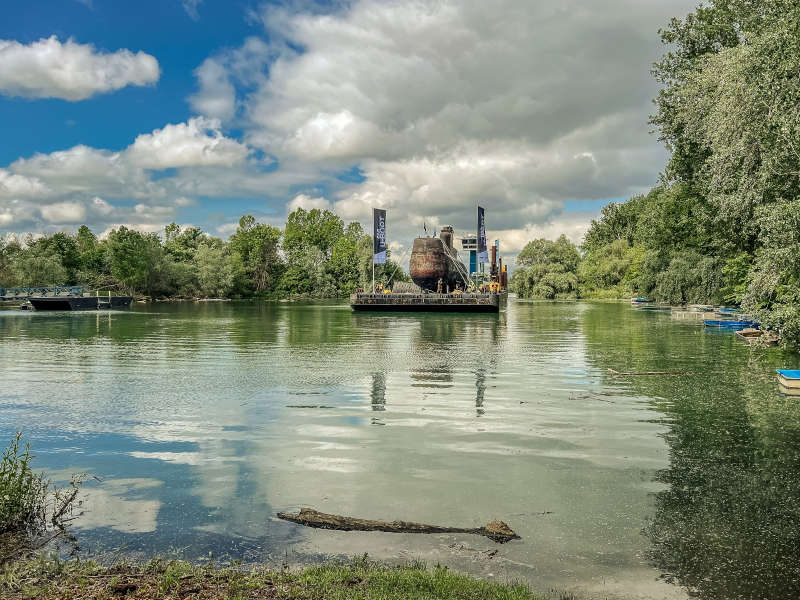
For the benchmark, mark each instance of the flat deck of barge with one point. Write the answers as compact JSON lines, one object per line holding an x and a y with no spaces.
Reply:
{"x":79,"y":302}
{"x":488,"y":303}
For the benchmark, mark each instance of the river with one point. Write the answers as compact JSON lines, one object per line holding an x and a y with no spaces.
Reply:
{"x":200,"y":421}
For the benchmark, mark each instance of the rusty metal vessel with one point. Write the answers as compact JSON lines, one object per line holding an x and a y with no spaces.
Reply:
{"x":434,"y":259}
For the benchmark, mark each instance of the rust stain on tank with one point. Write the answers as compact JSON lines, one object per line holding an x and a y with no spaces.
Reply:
{"x":428,"y":263}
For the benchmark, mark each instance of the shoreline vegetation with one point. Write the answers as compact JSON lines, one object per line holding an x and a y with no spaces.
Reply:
{"x":315,"y":255}
{"x":361,"y":579}
{"x":723,"y":224}
{"x":34,"y":515}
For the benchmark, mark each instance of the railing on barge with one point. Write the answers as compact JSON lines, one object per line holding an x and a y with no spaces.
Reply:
{"x":23,"y":293}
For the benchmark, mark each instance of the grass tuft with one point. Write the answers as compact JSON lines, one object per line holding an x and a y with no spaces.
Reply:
{"x":49,"y":578}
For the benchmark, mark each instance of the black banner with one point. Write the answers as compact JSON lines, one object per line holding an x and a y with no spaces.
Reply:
{"x":483,"y":252}
{"x":378,"y":236}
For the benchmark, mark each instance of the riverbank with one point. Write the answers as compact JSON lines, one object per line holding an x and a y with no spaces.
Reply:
{"x":50,"y":578}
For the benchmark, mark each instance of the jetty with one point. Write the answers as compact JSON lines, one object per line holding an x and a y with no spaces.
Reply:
{"x":79,"y":302}
{"x":62,"y":298}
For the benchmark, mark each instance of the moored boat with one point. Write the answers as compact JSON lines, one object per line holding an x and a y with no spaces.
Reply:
{"x":788,"y":391}
{"x":730,"y":324}
{"x":701,"y":307}
{"x":789,"y":378}
{"x":79,"y":302}
{"x":750,"y":335}
{"x":649,"y":306}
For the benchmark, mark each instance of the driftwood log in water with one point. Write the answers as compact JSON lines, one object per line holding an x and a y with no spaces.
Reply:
{"x":495,"y":530}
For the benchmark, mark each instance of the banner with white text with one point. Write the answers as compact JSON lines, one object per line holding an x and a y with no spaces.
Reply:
{"x":379,"y":236}
{"x":483,"y":253}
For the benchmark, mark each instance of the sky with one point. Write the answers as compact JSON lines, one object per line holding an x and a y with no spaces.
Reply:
{"x":200,"y":111}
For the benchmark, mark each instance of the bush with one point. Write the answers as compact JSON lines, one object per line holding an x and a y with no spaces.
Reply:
{"x":33,"y":512}
{"x":23,"y":493}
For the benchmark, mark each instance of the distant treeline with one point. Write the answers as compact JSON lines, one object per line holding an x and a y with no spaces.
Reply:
{"x":315,"y":256}
{"x":723,"y":226}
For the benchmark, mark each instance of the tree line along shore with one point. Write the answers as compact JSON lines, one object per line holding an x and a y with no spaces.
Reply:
{"x":723,"y":223}
{"x":315,"y":255}
{"x":722,"y":226}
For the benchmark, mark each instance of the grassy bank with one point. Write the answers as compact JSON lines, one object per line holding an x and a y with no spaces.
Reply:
{"x":50,"y":578}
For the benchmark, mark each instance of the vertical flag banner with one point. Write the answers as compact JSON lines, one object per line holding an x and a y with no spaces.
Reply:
{"x":379,"y":236}
{"x":483,"y":253}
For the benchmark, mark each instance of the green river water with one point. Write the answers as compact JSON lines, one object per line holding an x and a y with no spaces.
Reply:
{"x":201,"y":421}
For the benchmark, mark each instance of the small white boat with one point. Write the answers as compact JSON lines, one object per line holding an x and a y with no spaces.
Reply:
{"x":764,"y":338}
{"x":788,"y":391}
{"x":790,"y":379}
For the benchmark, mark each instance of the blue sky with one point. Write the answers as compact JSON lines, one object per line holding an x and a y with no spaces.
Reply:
{"x":161,"y":28}
{"x":142,"y":113}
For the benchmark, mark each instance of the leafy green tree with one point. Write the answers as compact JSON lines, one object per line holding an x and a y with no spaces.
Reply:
{"x":307,"y":275}
{"x":690,"y":278}
{"x":215,"y":271}
{"x":9,"y":248}
{"x":39,"y":268}
{"x":257,"y":247}
{"x":182,"y":244}
{"x":60,"y":245}
{"x":773,"y":291}
{"x":137,"y":260}
{"x":314,"y":228}
{"x":94,"y":267}
{"x":618,"y":221}
{"x":547,"y":270}
{"x":607,"y":270}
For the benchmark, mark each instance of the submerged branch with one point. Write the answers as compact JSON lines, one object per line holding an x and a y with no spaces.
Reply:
{"x":495,"y":530}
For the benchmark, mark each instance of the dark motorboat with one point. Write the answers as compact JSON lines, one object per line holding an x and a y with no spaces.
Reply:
{"x":79,"y":302}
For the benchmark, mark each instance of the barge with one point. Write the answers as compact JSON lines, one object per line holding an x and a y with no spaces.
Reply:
{"x":79,"y":302}
{"x":429,"y":302}
{"x":441,"y":282}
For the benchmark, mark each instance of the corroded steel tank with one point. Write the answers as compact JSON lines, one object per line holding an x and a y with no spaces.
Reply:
{"x":429,"y":263}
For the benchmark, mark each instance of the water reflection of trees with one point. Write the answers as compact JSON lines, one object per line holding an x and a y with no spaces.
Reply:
{"x":727,"y":525}
{"x":378,"y":392}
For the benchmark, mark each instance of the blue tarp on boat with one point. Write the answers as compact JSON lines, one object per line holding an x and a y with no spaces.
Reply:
{"x":730,"y":324}
{"x":789,"y":373}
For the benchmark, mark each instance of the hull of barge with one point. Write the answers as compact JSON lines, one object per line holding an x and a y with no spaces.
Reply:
{"x":80,"y":302}
{"x":463,"y":303}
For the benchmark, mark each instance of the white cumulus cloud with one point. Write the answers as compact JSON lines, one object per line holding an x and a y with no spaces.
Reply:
{"x":198,"y":142}
{"x":64,"y":212}
{"x":49,"y":68}
{"x":523,"y":107}
{"x":308,"y":203}
{"x":15,"y":186}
